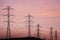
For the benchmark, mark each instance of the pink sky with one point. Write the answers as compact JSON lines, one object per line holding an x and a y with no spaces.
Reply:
{"x":45,"y":12}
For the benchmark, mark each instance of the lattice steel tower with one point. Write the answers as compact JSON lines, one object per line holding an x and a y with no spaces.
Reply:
{"x":55,"y":35}
{"x":8,"y":34}
{"x":51,"y":33}
{"x":29,"y":25}
{"x":38,"y":29}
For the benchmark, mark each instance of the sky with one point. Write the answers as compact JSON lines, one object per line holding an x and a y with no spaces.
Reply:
{"x":44,"y":12}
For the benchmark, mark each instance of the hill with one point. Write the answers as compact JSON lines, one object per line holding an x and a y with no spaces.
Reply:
{"x":24,"y":38}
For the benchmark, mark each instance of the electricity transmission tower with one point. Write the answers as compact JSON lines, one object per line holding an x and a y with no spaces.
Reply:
{"x":8,"y":34}
{"x":29,"y":24}
{"x":55,"y":35}
{"x":38,"y":29}
{"x":51,"y":34}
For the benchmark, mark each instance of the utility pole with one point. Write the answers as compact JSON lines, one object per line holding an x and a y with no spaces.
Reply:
{"x":29,"y":24}
{"x":51,"y":34}
{"x":8,"y":34}
{"x":38,"y":29}
{"x":55,"y":35}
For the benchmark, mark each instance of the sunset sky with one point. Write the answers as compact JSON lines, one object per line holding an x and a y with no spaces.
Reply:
{"x":44,"y":12}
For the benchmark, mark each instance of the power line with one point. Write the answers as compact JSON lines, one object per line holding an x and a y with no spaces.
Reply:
{"x":8,"y":34}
